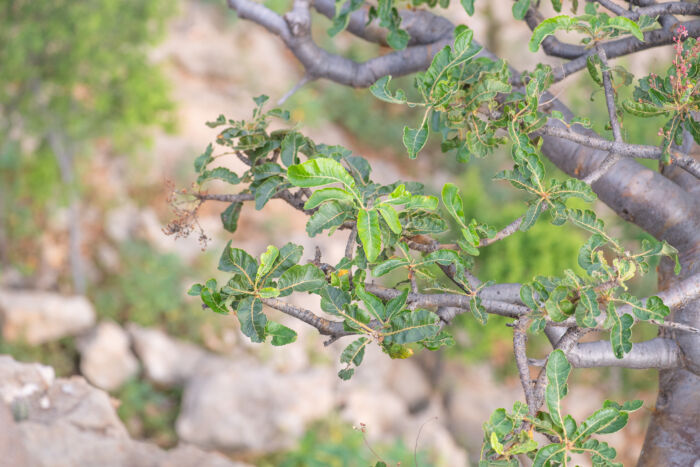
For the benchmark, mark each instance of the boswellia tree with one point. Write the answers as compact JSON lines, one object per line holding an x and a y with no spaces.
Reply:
{"x":474,"y":102}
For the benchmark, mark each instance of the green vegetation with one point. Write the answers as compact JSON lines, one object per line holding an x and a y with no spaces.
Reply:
{"x":332,"y":443}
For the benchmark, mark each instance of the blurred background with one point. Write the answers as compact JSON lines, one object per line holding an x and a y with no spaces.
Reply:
{"x":102,"y":112}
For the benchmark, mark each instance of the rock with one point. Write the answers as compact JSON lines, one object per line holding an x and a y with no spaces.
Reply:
{"x":12,"y":450}
{"x":408,"y":381}
{"x":383,"y":412}
{"x":166,"y":361}
{"x":239,"y":405}
{"x":38,"y":317}
{"x":121,"y":222}
{"x":106,"y":359}
{"x":67,"y":422}
{"x":472,"y":396}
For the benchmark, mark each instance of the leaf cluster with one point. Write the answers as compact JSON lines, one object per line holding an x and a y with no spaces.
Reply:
{"x":505,"y":435}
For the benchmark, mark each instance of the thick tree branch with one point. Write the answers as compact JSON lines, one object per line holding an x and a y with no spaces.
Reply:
{"x":324,"y":326}
{"x":657,"y":353}
{"x":423,"y":26}
{"x":626,"y":46}
{"x":520,"y":351}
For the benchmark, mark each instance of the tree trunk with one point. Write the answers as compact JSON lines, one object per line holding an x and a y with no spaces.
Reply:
{"x":673,"y":437}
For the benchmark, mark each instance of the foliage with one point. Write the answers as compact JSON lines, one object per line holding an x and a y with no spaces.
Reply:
{"x":72,"y":73}
{"x":61,"y":354}
{"x":474,"y":104}
{"x":504,"y":437}
{"x":149,"y":413}
{"x":333,"y":443}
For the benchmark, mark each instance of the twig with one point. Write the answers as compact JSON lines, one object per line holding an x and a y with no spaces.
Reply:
{"x":507,"y":231}
{"x":612,"y":158}
{"x":520,"y":350}
{"x":305,"y":79}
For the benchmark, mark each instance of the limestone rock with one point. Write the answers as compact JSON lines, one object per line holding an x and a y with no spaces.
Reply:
{"x":68,"y":423}
{"x":166,"y":361}
{"x":106,"y":359}
{"x":239,"y":405}
{"x":38,"y":317}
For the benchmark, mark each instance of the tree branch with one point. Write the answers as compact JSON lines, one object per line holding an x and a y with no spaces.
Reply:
{"x":612,"y":157}
{"x":658,"y":353}
{"x":626,"y":46}
{"x":324,"y":326}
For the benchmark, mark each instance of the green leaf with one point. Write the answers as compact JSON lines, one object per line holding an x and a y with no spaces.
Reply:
{"x":195,"y":290}
{"x":547,"y":28}
{"x":327,"y":194}
{"x":346,"y":373}
{"x":453,"y":202}
{"x":398,"y":39}
{"x":202,"y":161}
{"x":318,"y":172}
{"x":221,"y":173}
{"x":253,"y":320}
{"x":281,"y":335}
{"x":643,"y":109}
{"x":359,"y":168}
{"x":372,"y":304}
{"x":549,"y":455}
{"x":333,"y":300}
{"x":653,"y":309}
{"x":266,"y":170}
{"x":411,"y":326}
{"x":269,"y":292}
{"x":601,"y":453}
{"x":478,"y":310}
{"x":396,"y":304}
{"x":221,"y":120}
{"x":380,"y":89}
{"x":391,"y":217}
{"x":440,"y":340}
{"x":369,"y":232}
{"x":267,"y":260}
{"x":605,"y":420}
{"x":593,"y":64}
{"x":620,"y":333}
{"x":468,"y":6}
{"x":329,"y":215}
{"x":229,"y":218}
{"x":557,"y":306}
{"x":266,"y":190}
{"x":626,"y":24}
{"x":587,"y":220}
{"x":558,"y":369}
{"x":694,"y":128}
{"x":520,"y":9}
{"x":531,"y":215}
{"x":289,"y":148}
{"x":289,"y":255}
{"x":573,"y":188}
{"x":209,"y":298}
{"x":354,"y":352}
{"x":238,"y":261}
{"x":387,"y":266}
{"x":529,"y":297}
{"x":415,"y":139}
{"x":495,"y":444}
{"x":300,"y":278}
{"x":342,"y":17}
{"x":628,"y":406}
